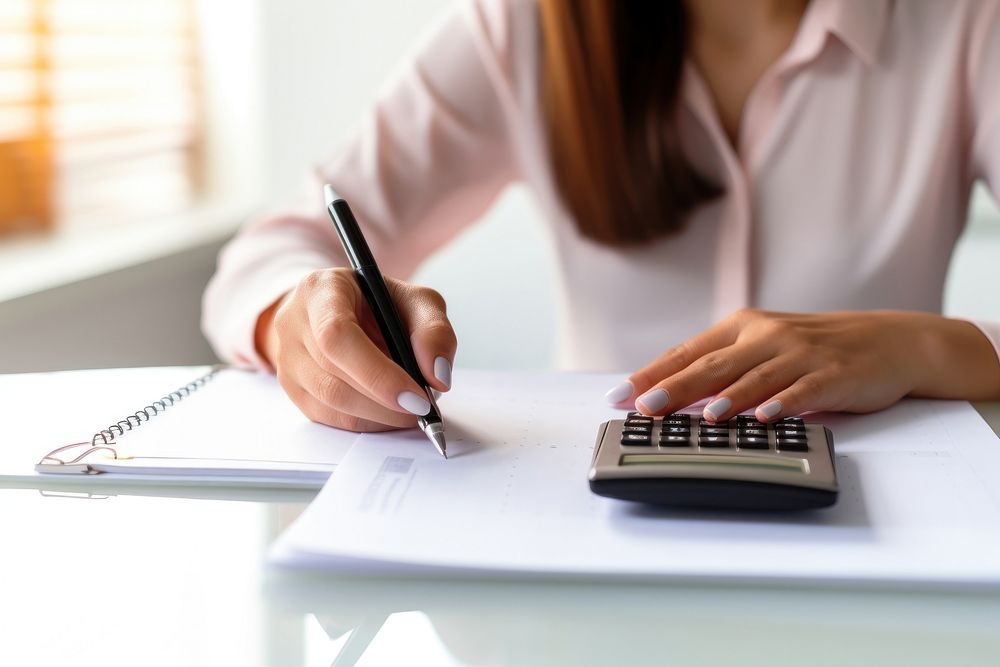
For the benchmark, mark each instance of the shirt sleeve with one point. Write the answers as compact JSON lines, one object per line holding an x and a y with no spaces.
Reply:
{"x":984,"y":107}
{"x":429,"y":158}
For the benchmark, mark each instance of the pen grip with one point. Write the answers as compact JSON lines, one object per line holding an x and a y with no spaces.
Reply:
{"x":396,"y":337}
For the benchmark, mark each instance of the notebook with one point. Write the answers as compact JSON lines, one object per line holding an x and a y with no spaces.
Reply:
{"x":202,"y":426}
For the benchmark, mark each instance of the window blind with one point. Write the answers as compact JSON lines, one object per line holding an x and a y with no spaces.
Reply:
{"x":99,"y":111}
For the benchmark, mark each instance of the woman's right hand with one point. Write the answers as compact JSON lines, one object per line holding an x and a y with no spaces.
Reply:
{"x":325,"y":346}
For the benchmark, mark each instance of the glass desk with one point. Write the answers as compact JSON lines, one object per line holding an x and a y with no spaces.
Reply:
{"x":145,"y":580}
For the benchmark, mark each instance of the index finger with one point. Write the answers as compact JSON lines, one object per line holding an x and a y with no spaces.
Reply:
{"x":674,"y":360}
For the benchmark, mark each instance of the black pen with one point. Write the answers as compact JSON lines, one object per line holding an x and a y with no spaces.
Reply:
{"x":377,"y":294}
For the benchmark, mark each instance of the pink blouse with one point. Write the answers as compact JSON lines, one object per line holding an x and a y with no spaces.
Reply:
{"x":848,"y":188}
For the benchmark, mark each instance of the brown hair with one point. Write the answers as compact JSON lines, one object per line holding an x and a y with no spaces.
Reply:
{"x":610,"y":80}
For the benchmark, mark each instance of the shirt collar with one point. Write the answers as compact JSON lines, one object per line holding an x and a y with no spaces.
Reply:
{"x":858,"y":24}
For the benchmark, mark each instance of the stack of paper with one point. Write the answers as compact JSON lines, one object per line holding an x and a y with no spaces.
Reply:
{"x":919,"y":502}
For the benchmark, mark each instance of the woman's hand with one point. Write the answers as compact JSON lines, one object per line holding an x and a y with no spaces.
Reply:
{"x":325,"y":346}
{"x":785,"y":364}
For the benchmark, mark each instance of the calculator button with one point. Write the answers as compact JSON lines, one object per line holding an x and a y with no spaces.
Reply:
{"x":636,"y":422}
{"x":675,"y":440}
{"x":714,"y":430}
{"x":678,"y":417}
{"x":760,"y":432}
{"x":637,"y":429}
{"x":790,"y":444}
{"x":683,"y":430}
{"x":747,"y":419}
{"x":713,"y":440}
{"x":751,"y":442}
{"x":636,"y":439}
{"x":669,"y":421}
{"x":797,"y":421}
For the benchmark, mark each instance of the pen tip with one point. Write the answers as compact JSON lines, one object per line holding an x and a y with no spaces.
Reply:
{"x":437,"y":437}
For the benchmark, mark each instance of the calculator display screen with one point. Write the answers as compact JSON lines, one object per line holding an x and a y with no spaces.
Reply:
{"x":755,"y":462}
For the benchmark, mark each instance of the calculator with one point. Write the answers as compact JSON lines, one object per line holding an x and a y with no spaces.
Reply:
{"x":683,"y":460}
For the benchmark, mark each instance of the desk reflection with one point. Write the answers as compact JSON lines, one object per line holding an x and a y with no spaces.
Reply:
{"x":494,"y":623}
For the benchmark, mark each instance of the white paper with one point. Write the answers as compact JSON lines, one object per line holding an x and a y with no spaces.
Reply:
{"x":237,"y":429}
{"x":919,"y":501}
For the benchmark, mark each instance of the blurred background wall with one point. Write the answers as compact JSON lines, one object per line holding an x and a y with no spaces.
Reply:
{"x":279,"y":84}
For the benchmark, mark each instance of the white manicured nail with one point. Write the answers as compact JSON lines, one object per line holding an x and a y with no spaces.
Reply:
{"x":414,"y":403}
{"x":619,"y":393}
{"x":770,"y":409}
{"x":653,"y":400}
{"x":442,"y":371}
{"x":717,"y":408}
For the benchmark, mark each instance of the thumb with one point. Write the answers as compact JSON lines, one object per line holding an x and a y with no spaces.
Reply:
{"x":432,"y":337}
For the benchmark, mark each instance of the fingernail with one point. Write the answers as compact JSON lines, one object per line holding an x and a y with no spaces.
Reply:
{"x":770,"y":409}
{"x":717,"y":408}
{"x":653,"y":400}
{"x":442,"y":371}
{"x":414,"y":403}
{"x":619,"y":393}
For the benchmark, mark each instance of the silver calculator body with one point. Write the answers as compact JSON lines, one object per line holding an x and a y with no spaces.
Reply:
{"x":681,"y":460}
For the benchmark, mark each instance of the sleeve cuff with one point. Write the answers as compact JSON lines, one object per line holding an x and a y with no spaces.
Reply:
{"x":230,"y":325}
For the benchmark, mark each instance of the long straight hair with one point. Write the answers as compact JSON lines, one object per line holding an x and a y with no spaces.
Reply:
{"x":610,"y":78}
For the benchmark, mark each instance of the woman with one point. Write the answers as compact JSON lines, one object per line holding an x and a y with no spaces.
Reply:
{"x":797,"y":172}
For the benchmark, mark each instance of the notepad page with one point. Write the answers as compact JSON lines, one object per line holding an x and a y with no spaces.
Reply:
{"x":919,"y":500}
{"x":239,"y":416}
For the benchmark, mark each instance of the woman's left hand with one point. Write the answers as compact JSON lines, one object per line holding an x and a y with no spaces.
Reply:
{"x":785,"y":364}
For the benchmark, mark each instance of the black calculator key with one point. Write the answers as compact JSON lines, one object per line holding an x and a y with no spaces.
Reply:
{"x":683,"y":430}
{"x":638,"y":415}
{"x":751,"y":442}
{"x":636,"y":422}
{"x":636,"y":439}
{"x":797,"y":421}
{"x":714,"y":430}
{"x":757,"y":432}
{"x":713,"y":440}
{"x":790,"y":444}
{"x":678,"y":417}
{"x":747,"y":419}
{"x":637,"y":429}
{"x":675,"y":440}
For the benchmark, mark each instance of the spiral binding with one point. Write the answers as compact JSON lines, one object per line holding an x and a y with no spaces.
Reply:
{"x":107,"y":436}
